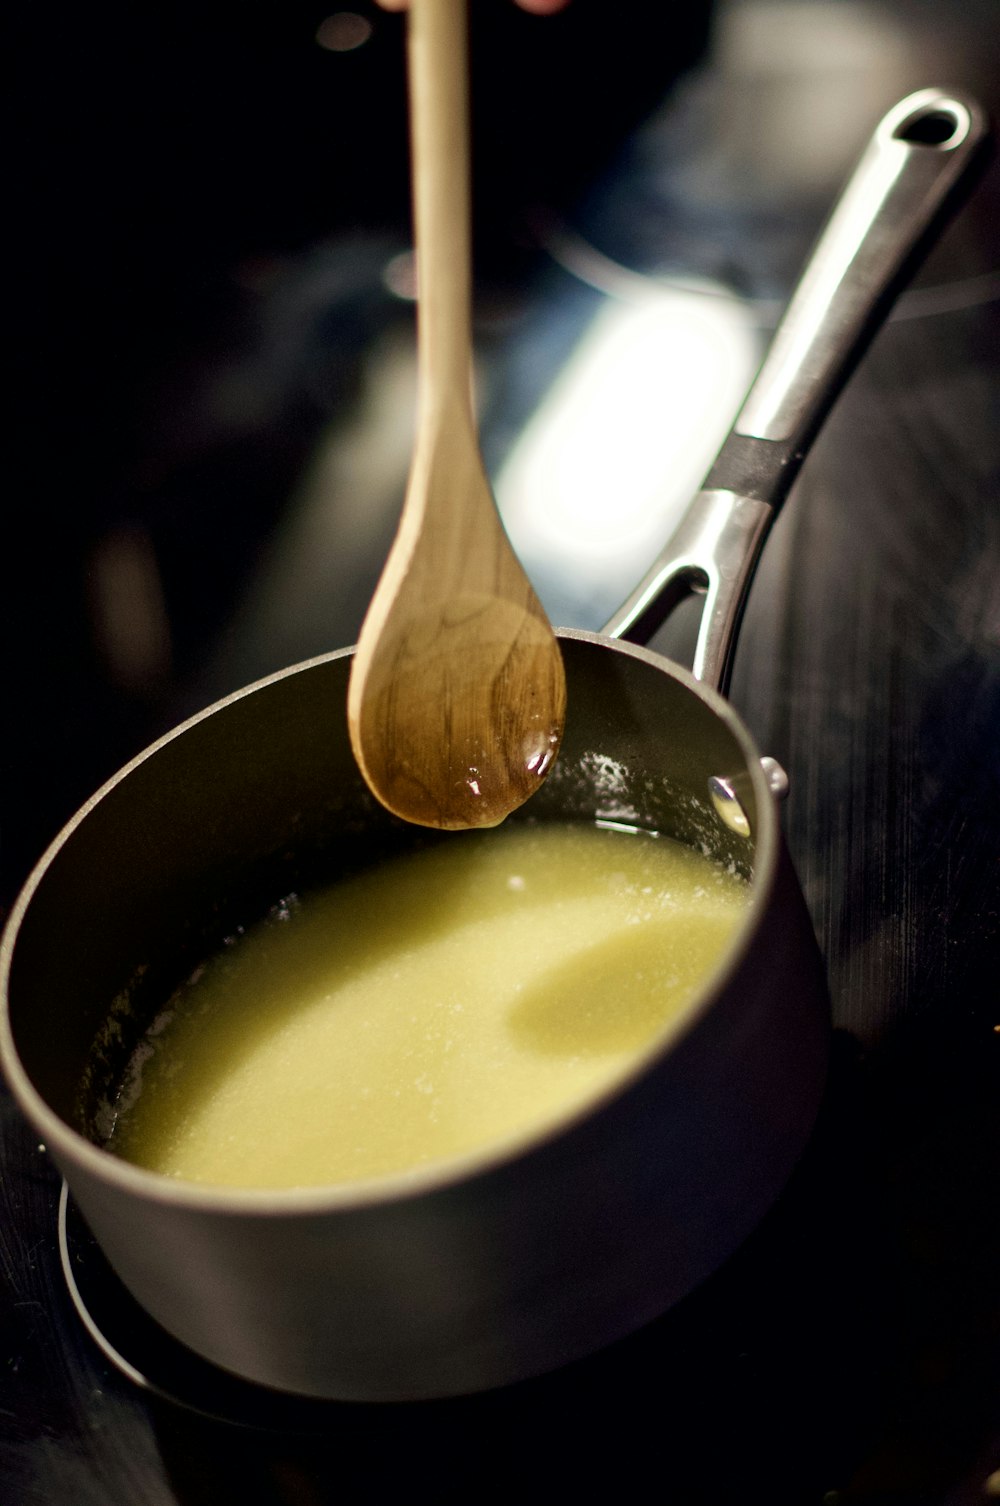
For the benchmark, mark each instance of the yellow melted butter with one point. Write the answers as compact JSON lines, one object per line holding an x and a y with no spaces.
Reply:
{"x":443,"y":1002}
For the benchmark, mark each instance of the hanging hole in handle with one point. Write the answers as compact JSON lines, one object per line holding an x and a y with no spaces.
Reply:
{"x":938,"y":126}
{"x":670,"y":621}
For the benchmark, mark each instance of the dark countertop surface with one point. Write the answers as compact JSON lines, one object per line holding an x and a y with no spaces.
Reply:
{"x":211,"y":432}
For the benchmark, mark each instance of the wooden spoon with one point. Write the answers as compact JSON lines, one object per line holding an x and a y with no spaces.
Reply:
{"x":457,"y":695}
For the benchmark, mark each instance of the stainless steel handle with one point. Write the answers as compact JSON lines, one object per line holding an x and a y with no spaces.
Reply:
{"x":893,"y":206}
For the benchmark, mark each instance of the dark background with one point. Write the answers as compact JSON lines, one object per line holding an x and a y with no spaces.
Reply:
{"x":204,"y":208}
{"x":204,"y":201}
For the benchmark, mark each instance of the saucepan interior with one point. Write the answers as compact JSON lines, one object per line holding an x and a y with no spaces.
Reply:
{"x":261,"y":797}
{"x":471,"y":1275}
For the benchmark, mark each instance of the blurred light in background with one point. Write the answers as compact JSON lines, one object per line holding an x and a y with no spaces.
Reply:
{"x":131,"y":629}
{"x":400,"y":276}
{"x":343,"y":31}
{"x":313,"y":581}
{"x":814,"y":77}
{"x":622,"y":441}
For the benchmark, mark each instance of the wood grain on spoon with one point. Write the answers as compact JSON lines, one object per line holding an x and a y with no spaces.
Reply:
{"x":457,"y":695}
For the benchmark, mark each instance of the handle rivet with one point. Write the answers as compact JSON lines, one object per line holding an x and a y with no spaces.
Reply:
{"x":777,"y":779}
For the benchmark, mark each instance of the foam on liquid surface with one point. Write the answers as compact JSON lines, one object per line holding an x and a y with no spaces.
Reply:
{"x":443,"y":1002}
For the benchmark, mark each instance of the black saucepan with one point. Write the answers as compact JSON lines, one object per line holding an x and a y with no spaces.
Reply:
{"x":472,"y":1274}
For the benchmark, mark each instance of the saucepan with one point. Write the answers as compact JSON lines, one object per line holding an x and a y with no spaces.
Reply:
{"x":464,"y":1276}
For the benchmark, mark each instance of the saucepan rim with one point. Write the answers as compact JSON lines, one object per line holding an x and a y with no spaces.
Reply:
{"x":71,"y":1145}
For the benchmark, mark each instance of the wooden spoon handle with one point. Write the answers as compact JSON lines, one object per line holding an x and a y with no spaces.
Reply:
{"x":439,"y":133}
{"x":457,"y":696}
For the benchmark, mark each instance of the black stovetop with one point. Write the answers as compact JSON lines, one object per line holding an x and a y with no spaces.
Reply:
{"x":209,"y":312}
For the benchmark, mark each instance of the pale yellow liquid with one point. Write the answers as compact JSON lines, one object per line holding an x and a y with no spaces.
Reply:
{"x":447,"y":1001}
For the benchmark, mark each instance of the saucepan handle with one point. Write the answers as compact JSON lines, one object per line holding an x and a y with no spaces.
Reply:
{"x":891,"y":210}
